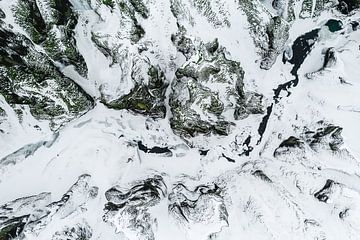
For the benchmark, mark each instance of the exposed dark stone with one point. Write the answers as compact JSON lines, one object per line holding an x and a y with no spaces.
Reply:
{"x":81,"y":231}
{"x":330,"y":58}
{"x":227,"y":158}
{"x":354,"y":25}
{"x":12,"y":228}
{"x":29,"y":16}
{"x":291,"y":142}
{"x":276,"y":4}
{"x":12,"y":50}
{"x":311,"y":222}
{"x":131,"y":206}
{"x":277,"y":32}
{"x":343,"y":7}
{"x":60,"y":44}
{"x":2,"y":14}
{"x":65,"y":13}
{"x":211,"y":47}
{"x":203,"y":152}
{"x":287,"y":146}
{"x":33,"y":213}
{"x":109,"y":3}
{"x":343,"y":214}
{"x":260,"y":174}
{"x":137,"y":33}
{"x":182,"y":43}
{"x":140,"y":7}
{"x":144,"y":193}
{"x":249,"y":149}
{"x":330,"y":135}
{"x":324,"y":194}
{"x":145,"y":99}
{"x":346,"y":6}
{"x":22,"y":69}
{"x":192,"y":90}
{"x":203,"y":205}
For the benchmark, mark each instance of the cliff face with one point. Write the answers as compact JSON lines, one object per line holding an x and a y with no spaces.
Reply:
{"x":179,"y":119}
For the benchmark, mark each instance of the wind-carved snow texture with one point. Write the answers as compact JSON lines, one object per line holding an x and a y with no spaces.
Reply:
{"x":128,"y":210}
{"x":29,"y":217}
{"x":201,"y":212}
{"x":179,"y":119}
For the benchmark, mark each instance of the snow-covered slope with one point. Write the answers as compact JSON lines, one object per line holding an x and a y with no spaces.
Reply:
{"x":179,"y":119}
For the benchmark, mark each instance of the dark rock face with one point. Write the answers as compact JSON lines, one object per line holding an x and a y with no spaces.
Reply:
{"x":212,"y":11}
{"x":202,"y":206}
{"x":12,"y":48}
{"x":308,"y":11}
{"x":127,"y":209}
{"x":260,"y":174}
{"x":182,"y":43}
{"x":12,"y":228}
{"x":55,"y":32}
{"x":277,"y":4}
{"x":354,"y":25}
{"x":29,"y":15}
{"x":81,"y":231}
{"x":330,"y":58}
{"x":277,"y":32}
{"x":346,"y":6}
{"x":29,"y":215}
{"x":325,"y":137}
{"x":147,"y":192}
{"x":2,"y":14}
{"x":291,"y":142}
{"x":330,"y":61}
{"x":343,"y":199}
{"x":147,"y":99}
{"x":192,"y":86}
{"x":228,"y":158}
{"x":140,"y":8}
{"x":328,"y":135}
{"x":205,"y":88}
{"x":325,"y":193}
{"x":26,"y":75}
{"x":146,"y":82}
{"x":128,"y":20}
{"x":287,"y":145}
{"x":343,"y":214}
{"x":269,"y":31}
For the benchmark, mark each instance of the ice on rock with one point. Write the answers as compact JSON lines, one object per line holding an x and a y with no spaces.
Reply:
{"x":179,"y":119}
{"x":128,"y":209}
{"x":201,"y":212}
{"x":208,"y":94}
{"x":28,"y":217}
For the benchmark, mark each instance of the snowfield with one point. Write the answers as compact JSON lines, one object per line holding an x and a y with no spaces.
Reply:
{"x":179,"y":119}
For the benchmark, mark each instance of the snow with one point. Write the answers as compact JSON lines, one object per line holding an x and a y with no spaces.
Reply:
{"x":103,"y":142}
